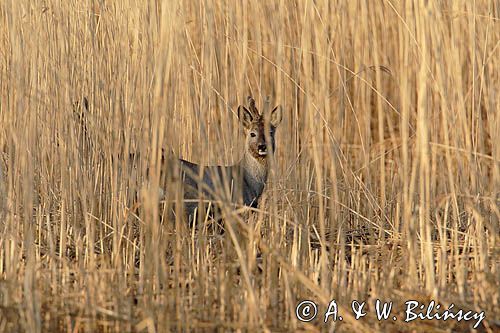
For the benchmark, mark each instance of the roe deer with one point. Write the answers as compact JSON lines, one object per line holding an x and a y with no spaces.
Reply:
{"x":246,"y":179}
{"x":241,"y":183}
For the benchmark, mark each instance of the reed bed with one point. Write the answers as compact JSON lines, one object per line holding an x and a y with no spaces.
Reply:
{"x":385,"y":182}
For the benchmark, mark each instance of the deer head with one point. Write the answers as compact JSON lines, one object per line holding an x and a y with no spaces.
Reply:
{"x":259,"y":128}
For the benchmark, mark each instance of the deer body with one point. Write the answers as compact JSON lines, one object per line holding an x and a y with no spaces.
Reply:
{"x":245,"y":187}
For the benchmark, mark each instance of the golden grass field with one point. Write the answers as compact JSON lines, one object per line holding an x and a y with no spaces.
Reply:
{"x":385,"y":183}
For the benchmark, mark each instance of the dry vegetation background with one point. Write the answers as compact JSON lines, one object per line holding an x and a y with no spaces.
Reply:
{"x":385,"y":184}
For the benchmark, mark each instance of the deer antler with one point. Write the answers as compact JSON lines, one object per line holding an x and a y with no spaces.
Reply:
{"x":251,"y":106}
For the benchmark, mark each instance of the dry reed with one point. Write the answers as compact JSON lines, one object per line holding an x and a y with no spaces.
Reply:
{"x":385,"y":183}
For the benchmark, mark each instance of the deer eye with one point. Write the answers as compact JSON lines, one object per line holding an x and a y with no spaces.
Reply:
{"x":253,"y":135}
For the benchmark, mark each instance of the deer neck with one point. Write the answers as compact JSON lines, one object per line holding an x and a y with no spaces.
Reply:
{"x":255,"y":170}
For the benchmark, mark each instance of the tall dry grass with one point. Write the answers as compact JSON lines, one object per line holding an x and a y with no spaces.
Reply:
{"x":385,"y":184}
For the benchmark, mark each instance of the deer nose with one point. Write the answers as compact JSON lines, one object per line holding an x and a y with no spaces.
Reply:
{"x":262,"y":147}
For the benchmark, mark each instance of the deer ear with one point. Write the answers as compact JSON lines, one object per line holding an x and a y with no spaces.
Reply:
{"x":276,"y":116}
{"x":245,"y":116}
{"x":81,"y":110}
